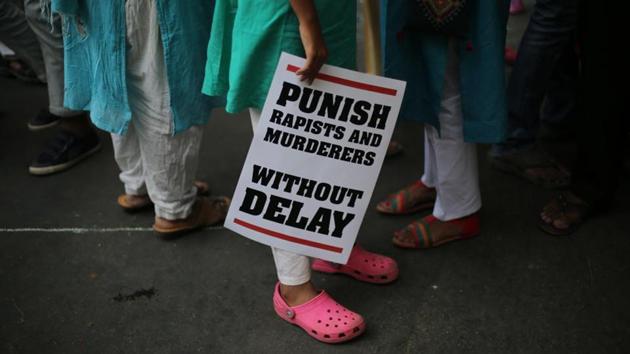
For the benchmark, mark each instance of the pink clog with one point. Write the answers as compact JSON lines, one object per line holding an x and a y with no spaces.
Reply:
{"x":362,"y":265}
{"x":322,"y":318}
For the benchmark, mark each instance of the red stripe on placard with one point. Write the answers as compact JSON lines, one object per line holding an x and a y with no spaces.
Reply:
{"x":282,"y":236}
{"x":350,"y":83}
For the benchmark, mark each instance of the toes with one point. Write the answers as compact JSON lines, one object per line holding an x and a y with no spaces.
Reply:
{"x":561,"y":224}
{"x":402,"y":238}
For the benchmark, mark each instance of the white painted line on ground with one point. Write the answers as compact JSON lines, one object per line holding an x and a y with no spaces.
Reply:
{"x":86,"y":230}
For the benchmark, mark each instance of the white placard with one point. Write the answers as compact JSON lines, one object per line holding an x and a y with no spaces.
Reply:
{"x":314,"y":160}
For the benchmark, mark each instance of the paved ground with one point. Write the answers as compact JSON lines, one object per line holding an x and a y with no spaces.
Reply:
{"x":99,"y":290}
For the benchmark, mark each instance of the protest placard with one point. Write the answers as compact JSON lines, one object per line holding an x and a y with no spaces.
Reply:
{"x":314,"y":160}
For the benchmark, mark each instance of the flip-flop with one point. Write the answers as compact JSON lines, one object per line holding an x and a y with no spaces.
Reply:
{"x":322,"y":318}
{"x":362,"y":265}
{"x":406,"y":201}
{"x":563,"y":205}
{"x":420,"y":232}
{"x":519,"y":162}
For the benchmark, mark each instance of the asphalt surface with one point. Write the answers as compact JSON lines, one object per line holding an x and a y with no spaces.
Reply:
{"x":77,"y":274}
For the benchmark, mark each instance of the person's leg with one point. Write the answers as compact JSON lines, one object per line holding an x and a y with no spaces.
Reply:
{"x":169,"y":162}
{"x":451,"y":166}
{"x":294,"y":275}
{"x":296,"y":300}
{"x":520,"y":155}
{"x":51,"y":44}
{"x":294,"y":271}
{"x":77,"y":139}
{"x":417,"y":196}
{"x":601,"y":127}
{"x":457,"y":184}
{"x":559,"y":106}
{"x":551,"y":27}
{"x":16,"y":33}
{"x":129,"y":159}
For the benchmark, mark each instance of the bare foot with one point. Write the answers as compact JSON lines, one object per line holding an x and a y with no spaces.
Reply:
{"x":439,"y":231}
{"x":564,"y":211}
{"x":296,"y":295}
{"x":410,"y":199}
{"x":431,"y":232}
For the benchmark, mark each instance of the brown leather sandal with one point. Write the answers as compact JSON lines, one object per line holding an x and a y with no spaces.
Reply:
{"x":206,"y":212}
{"x":135,"y":203}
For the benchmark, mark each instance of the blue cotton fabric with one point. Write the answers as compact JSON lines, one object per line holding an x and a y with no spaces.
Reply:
{"x":420,"y":59}
{"x":95,"y":57}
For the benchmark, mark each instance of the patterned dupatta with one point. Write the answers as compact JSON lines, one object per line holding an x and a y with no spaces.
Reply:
{"x":441,"y":17}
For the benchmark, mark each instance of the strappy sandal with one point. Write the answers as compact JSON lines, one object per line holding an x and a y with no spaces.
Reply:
{"x":420,"y":232}
{"x":362,"y":265}
{"x":560,"y":207}
{"x":519,"y":163}
{"x":322,"y":318}
{"x":408,"y":200}
{"x":135,"y":203}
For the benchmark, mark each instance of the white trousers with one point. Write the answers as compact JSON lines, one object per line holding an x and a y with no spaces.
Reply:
{"x":292,"y":268}
{"x":151,"y":159}
{"x":450,"y":164}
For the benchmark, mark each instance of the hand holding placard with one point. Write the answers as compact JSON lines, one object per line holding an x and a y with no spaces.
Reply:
{"x":314,"y":160}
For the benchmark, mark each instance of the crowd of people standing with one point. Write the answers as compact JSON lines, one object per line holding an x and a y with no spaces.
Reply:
{"x":150,"y":72}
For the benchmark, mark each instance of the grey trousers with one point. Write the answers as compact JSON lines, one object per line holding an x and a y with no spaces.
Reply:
{"x":48,"y":32}
{"x":17,"y":35}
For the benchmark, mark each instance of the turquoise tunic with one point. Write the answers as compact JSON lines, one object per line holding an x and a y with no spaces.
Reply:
{"x":248,"y":36}
{"x":420,"y":59}
{"x":94,"y":36}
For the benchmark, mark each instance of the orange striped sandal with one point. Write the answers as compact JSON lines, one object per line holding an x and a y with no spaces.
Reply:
{"x":411,"y":199}
{"x":419,"y":233}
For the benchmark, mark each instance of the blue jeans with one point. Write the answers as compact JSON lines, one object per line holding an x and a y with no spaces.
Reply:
{"x":543,"y":83}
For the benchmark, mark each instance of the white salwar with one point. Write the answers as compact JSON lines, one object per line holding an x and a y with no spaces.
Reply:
{"x":450,"y":163}
{"x":153,"y":160}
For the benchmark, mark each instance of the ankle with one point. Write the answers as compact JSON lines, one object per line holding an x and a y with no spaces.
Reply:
{"x":298,"y":294}
{"x":79,"y":125}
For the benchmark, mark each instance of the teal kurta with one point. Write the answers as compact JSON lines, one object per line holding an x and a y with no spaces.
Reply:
{"x":248,"y":37}
{"x":420,"y":59}
{"x":94,"y":36}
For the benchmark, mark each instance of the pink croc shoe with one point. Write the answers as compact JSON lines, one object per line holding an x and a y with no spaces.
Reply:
{"x":322,"y":318}
{"x":362,"y":265}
